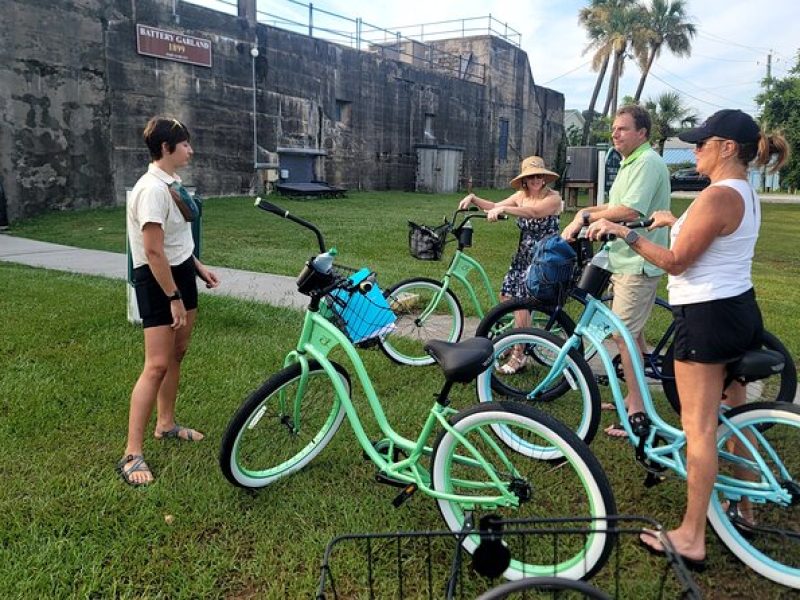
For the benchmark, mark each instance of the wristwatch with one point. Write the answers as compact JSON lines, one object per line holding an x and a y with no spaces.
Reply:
{"x":631,"y":237}
{"x":585,"y":215}
{"x":175,"y":296}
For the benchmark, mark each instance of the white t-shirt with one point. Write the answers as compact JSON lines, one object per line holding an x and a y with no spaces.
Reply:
{"x":150,"y":202}
{"x":724,"y":269}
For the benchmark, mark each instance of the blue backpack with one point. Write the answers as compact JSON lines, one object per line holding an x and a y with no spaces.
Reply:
{"x":551,"y":272}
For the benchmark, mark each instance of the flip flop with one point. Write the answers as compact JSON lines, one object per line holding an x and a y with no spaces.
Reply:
{"x":177,"y":433}
{"x":698,"y":565}
{"x":138,"y":466}
{"x":615,"y":431}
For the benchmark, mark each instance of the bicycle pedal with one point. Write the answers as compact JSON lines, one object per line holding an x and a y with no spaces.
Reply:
{"x":386,"y":480}
{"x":601,"y":379}
{"x":407,"y":492}
{"x":653,"y":479}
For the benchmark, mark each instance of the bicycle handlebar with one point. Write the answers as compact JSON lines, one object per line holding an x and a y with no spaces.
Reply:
{"x":277,"y":210}
{"x":610,"y":237}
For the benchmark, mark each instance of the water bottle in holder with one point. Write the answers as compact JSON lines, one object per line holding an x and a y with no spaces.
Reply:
{"x":596,"y":275}
{"x":465,"y":235}
{"x":317,"y":272}
{"x":323,"y":263}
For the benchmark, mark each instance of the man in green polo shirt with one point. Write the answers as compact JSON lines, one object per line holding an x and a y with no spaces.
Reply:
{"x":640,"y":188}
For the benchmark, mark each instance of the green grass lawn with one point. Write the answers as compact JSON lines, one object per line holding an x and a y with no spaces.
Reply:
{"x":68,"y":359}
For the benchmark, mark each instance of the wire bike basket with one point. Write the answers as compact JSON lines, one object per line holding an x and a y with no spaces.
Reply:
{"x":361,"y":313}
{"x":426,"y":242}
{"x":432,"y":564}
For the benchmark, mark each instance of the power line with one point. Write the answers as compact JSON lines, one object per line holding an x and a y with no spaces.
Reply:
{"x":567,"y":73}
{"x":721,"y":40}
{"x":749,"y":107}
{"x":735,"y":60}
{"x":705,"y":90}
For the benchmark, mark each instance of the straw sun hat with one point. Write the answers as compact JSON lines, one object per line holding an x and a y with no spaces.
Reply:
{"x":533,"y":165}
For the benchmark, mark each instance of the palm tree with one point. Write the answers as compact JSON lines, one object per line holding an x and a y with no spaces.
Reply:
{"x":602,"y":22}
{"x":625,"y":30}
{"x":665,"y":23}
{"x":669,"y":116}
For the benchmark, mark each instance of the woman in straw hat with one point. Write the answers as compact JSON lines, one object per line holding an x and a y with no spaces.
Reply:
{"x":536,"y":207}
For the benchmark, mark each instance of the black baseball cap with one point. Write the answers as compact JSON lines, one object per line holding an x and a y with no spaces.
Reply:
{"x":729,"y":124}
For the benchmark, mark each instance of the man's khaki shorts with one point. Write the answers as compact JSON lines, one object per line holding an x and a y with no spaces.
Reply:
{"x":634,"y":296}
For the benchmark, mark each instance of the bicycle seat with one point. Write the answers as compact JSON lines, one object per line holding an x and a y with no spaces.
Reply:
{"x":463,"y":361}
{"x":756,"y":364}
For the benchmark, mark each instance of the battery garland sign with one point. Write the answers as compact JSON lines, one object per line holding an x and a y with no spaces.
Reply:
{"x":171,"y":45}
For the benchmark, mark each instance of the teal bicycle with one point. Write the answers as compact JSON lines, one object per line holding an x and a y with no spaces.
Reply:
{"x":283,"y":425}
{"x":428,"y":309}
{"x":757,"y":442}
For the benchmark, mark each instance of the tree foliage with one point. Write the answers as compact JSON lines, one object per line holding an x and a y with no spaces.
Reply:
{"x":669,"y":117}
{"x":780,"y":104}
{"x":621,"y":29}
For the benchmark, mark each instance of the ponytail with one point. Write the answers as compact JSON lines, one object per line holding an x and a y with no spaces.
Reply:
{"x":761,"y":152}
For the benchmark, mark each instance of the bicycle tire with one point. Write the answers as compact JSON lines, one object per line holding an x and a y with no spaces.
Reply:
{"x":409,"y":298}
{"x":258,"y":446}
{"x":500,"y":318}
{"x":778,"y":425}
{"x":540,"y":485}
{"x":780,"y":388}
{"x":548,"y":586}
{"x":577,"y":385}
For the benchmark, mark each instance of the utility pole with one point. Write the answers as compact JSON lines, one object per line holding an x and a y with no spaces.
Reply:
{"x":769,"y":69}
{"x":769,"y":85}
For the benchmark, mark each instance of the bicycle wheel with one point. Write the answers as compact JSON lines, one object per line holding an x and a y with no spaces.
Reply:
{"x":577,"y":486}
{"x":409,"y":299}
{"x":771,"y":546}
{"x":781,"y":387}
{"x":271,"y":437}
{"x":500,"y":318}
{"x":544,"y":587}
{"x":574,"y":399}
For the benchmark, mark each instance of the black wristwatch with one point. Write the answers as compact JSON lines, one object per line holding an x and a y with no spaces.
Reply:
{"x":176,"y":296}
{"x":585,"y":215}
{"x":631,"y":237}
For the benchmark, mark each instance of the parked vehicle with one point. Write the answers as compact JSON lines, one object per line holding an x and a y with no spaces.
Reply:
{"x":688,"y":180}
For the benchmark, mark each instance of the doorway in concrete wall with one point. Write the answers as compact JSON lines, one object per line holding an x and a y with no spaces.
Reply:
{"x":438,"y":168}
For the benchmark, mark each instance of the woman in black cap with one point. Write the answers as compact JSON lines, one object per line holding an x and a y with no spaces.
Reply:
{"x":710,"y":288}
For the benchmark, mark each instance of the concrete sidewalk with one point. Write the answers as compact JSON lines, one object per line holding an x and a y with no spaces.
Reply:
{"x":278,"y":290}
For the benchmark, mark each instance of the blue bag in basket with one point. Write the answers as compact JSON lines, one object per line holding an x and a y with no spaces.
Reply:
{"x":365,"y":315}
{"x":551,"y":270}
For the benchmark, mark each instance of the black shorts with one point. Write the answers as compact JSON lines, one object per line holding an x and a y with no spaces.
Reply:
{"x":154,"y":305}
{"x":717,"y":331}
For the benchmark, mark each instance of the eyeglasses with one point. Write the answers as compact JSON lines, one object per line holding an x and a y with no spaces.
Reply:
{"x":699,"y":145}
{"x":537,"y":176}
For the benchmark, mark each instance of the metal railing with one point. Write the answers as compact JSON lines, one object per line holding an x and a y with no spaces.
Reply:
{"x":392,"y":43}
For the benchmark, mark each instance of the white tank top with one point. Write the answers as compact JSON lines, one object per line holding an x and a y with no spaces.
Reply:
{"x":724,"y":269}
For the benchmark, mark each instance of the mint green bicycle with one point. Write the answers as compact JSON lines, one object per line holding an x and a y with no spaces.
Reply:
{"x":427,"y":309}
{"x":470,"y":472}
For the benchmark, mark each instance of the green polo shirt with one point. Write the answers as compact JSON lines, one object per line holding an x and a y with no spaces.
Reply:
{"x":643,"y":185}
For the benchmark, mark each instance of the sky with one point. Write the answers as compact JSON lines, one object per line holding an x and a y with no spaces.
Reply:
{"x":728,"y":60}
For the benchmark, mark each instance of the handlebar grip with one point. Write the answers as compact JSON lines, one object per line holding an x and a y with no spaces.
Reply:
{"x":270,"y":207}
{"x":638,"y":224}
{"x":607,"y":237}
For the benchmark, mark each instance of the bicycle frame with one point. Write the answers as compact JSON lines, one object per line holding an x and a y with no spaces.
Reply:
{"x":317,"y":339}
{"x":598,"y":323}
{"x":460,"y":267}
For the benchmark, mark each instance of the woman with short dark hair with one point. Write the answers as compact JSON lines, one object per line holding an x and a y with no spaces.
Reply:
{"x":159,"y":215}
